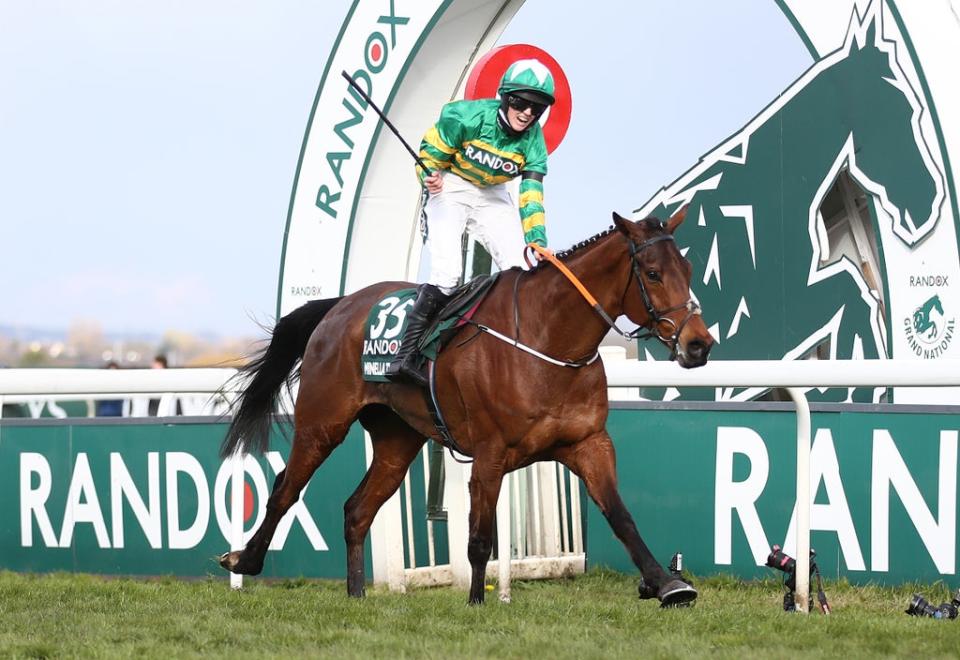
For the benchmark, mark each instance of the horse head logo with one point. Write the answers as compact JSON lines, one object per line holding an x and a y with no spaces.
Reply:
{"x":924,"y":326}
{"x":910,"y":187}
{"x":769,"y":276}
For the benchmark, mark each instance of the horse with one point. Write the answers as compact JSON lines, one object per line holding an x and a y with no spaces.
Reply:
{"x":504,"y":407}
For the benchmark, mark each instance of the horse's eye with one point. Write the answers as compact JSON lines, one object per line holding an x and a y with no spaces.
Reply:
{"x":653,"y":276}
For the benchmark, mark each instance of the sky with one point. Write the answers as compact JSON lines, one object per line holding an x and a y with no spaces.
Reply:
{"x":148,"y":149}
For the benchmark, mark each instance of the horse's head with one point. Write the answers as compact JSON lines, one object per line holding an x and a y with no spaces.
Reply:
{"x":660,"y":300}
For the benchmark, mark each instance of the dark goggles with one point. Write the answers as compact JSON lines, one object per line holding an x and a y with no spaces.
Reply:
{"x":520,"y":104}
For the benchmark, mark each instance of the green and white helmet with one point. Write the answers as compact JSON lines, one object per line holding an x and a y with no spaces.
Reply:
{"x":528,"y":79}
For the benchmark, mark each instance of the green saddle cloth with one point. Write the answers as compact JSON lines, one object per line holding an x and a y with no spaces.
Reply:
{"x":387,"y":322}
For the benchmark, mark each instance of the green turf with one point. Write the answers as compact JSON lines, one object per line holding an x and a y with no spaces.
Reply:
{"x":592,"y":616}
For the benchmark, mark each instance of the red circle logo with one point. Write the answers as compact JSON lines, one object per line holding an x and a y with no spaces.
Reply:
{"x":247,"y":501}
{"x":485,"y":79}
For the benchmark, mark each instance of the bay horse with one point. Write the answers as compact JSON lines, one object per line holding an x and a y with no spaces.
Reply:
{"x":506,"y":408}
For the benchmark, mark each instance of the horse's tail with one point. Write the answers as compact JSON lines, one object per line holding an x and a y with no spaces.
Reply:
{"x":267,"y":373}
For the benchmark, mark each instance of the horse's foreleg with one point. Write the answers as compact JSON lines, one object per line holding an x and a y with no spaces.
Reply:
{"x":310,"y":449}
{"x":395,"y":445}
{"x":594,"y":461}
{"x":485,"y":481}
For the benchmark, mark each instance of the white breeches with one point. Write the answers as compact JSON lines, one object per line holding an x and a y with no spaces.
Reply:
{"x":490,"y":215}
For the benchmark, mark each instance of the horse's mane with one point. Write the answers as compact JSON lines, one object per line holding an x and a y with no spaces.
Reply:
{"x":573,"y":249}
{"x":570,"y":251}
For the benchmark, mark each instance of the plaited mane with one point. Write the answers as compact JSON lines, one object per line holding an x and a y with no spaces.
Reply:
{"x":569,"y":252}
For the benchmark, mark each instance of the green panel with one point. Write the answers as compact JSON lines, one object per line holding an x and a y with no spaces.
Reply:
{"x":668,"y":475}
{"x":65,"y":449}
{"x":47,"y":409}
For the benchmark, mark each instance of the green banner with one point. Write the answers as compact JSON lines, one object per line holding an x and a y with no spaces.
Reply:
{"x":719,"y":485}
{"x":149,"y":498}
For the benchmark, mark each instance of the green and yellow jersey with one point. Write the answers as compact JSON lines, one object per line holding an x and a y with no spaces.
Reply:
{"x":468,"y":141}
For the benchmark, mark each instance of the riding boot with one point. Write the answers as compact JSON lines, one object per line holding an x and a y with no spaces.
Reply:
{"x":407,"y":365}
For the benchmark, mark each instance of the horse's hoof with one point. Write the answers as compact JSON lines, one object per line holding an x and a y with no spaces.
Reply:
{"x":645,"y":590}
{"x":233,"y":562}
{"x":229,"y":560}
{"x":676,"y":593}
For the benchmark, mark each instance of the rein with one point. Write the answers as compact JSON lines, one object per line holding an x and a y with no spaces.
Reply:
{"x":657,"y":316}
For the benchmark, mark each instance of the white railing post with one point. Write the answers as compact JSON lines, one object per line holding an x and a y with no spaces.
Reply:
{"x":456,"y":500}
{"x":236,"y":512}
{"x":803,"y":498}
{"x":503,"y":540}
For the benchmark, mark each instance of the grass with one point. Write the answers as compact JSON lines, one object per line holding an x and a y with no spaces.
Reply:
{"x":592,"y":616}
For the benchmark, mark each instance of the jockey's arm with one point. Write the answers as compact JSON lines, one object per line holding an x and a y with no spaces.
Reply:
{"x":531,"y":208}
{"x":439,"y":145}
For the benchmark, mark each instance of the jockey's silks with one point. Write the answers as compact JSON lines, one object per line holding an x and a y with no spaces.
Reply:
{"x":468,"y":141}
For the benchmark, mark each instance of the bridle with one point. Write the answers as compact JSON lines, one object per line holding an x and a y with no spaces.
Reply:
{"x":657,"y":317}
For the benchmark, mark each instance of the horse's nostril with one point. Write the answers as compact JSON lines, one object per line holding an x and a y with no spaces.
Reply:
{"x":697,"y":349}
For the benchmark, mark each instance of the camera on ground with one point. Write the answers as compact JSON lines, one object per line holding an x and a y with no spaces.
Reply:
{"x":919,"y":606}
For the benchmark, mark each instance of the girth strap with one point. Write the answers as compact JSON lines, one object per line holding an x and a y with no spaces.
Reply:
{"x":433,"y":407}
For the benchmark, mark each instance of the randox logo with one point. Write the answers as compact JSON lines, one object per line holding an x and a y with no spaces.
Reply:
{"x":490,"y":160}
{"x":176,"y":517}
{"x":929,"y":331}
{"x":376,"y":52}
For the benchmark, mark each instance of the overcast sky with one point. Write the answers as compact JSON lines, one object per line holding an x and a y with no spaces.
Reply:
{"x":148,"y":149}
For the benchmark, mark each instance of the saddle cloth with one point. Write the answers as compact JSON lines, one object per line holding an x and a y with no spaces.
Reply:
{"x":387,"y":322}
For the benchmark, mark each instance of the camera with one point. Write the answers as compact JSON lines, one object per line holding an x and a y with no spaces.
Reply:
{"x":781,"y":561}
{"x":919,"y":606}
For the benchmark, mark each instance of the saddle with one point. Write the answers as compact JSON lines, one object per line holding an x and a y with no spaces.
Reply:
{"x":387,"y":322}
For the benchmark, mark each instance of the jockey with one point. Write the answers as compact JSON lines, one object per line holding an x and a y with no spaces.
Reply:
{"x":471,"y":152}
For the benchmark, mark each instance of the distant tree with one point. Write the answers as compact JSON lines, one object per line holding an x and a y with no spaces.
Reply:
{"x":34,"y":358}
{"x":86,"y":338}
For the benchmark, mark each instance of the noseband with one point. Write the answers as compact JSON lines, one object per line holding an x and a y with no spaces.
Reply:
{"x":657,"y":316}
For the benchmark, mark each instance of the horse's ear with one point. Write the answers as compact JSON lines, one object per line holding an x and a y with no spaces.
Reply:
{"x":622,"y":223}
{"x":677,"y":219}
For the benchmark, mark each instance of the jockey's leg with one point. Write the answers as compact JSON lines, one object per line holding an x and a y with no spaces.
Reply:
{"x":446,"y":219}
{"x":407,"y":365}
{"x":496,"y":224}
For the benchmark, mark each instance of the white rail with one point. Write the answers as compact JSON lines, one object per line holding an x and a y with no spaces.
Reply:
{"x":111,"y":381}
{"x":193,"y":391}
{"x":794,"y":376}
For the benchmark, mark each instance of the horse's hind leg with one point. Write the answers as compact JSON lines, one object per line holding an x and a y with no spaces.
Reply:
{"x":311,"y":446}
{"x":395,"y":445}
{"x":594,"y":461}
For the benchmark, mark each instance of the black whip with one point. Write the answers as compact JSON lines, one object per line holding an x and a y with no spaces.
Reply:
{"x":353,"y":83}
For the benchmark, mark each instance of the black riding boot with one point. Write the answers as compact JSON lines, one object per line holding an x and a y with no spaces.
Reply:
{"x":407,"y":365}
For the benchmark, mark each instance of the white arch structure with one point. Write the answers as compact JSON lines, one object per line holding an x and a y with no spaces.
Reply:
{"x":354,"y":207}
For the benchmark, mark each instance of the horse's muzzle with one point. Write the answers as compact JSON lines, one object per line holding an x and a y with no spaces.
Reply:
{"x":694,"y":353}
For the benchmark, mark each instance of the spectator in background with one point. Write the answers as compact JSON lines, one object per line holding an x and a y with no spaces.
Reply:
{"x":160,"y":362}
{"x":109,"y":407}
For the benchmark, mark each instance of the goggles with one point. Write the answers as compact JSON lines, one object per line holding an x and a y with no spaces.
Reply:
{"x":520,"y":104}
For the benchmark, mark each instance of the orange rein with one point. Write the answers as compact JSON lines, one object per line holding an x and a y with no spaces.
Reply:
{"x":549,"y":256}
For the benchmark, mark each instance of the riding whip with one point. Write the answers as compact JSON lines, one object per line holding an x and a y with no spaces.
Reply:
{"x":353,"y":83}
